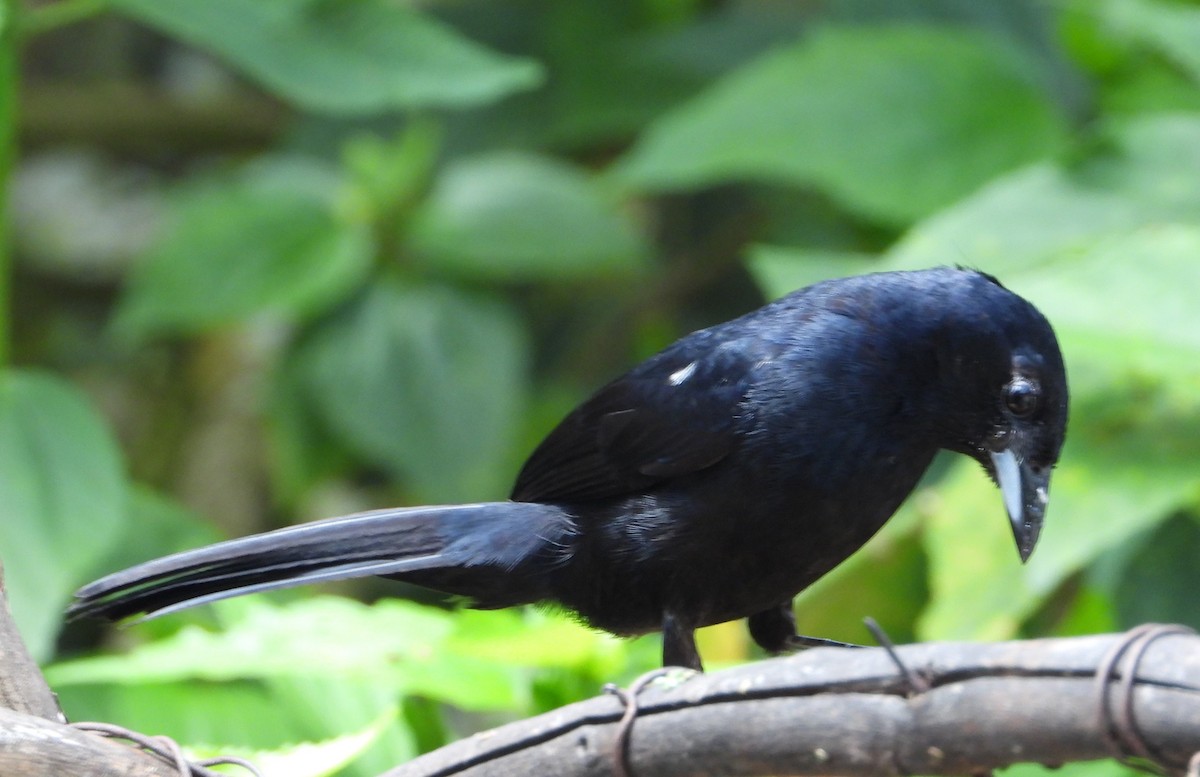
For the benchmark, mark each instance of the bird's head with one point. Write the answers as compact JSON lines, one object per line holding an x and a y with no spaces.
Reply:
{"x":1002,"y":380}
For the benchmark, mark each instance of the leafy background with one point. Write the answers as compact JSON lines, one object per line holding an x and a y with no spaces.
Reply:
{"x":267,"y":262}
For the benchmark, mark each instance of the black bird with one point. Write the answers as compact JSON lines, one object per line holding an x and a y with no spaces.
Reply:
{"x":715,"y":480}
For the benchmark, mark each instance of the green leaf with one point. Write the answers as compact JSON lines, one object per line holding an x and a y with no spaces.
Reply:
{"x":520,"y":216}
{"x":778,"y":270}
{"x":394,"y":644}
{"x":388,"y":175}
{"x":319,"y":635}
{"x":63,"y":498}
{"x":1152,"y":271}
{"x":1099,"y":499}
{"x":1151,"y":88}
{"x":426,"y":382}
{"x":155,"y":526}
{"x":334,"y":705}
{"x":1161,"y":578}
{"x":1045,"y":213}
{"x":966,"y":533}
{"x":1133,"y":440}
{"x":1091,"y":612}
{"x":886,"y":580}
{"x":241,"y":714}
{"x":246,"y":715}
{"x":893,"y":121}
{"x":1173,"y":29}
{"x":243,"y":248}
{"x":1107,"y":250}
{"x":365,"y":56}
{"x":1106,"y":768}
{"x":1122,"y":226}
{"x":529,"y":639}
{"x":308,"y":759}
{"x":1020,"y":220}
{"x":302,"y":451}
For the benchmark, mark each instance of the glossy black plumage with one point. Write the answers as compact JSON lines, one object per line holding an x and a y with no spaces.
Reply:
{"x":713,"y":481}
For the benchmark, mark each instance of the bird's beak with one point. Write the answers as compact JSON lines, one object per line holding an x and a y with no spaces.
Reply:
{"x":1025,"y":495}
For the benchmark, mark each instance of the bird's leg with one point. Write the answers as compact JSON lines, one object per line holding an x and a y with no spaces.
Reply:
{"x":775,"y":631}
{"x":679,"y":644}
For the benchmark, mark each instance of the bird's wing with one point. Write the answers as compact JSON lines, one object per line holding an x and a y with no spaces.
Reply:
{"x":673,"y":415}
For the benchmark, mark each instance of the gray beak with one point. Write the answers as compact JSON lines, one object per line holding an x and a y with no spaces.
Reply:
{"x":1025,"y":496}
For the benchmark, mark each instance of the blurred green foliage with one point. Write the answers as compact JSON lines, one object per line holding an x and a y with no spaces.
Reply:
{"x":267,"y":262}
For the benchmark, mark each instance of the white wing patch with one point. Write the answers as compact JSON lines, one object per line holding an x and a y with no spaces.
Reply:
{"x":679,"y":376}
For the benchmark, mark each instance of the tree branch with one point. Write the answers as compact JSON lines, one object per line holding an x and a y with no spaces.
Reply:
{"x":939,"y":708}
{"x":22,"y":687}
{"x":853,"y":712}
{"x":35,"y":740}
{"x":33,"y":747}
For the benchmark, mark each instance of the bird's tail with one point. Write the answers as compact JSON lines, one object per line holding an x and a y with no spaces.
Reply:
{"x":496,"y":553}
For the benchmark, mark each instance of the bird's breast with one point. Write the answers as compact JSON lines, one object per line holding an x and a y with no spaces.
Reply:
{"x":725,"y":544}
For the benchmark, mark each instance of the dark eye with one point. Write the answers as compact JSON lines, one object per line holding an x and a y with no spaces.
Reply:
{"x":1022,"y":396}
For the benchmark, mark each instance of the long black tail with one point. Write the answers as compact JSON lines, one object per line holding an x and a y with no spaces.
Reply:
{"x":496,"y":553}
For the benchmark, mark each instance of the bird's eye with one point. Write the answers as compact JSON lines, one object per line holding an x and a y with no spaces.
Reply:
{"x":1022,"y":396}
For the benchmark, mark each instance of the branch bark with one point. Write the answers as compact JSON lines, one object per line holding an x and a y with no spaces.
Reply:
{"x":852,"y":712}
{"x":935,"y":709}
{"x":34,"y":738}
{"x":22,"y":687}
{"x":34,"y":747}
